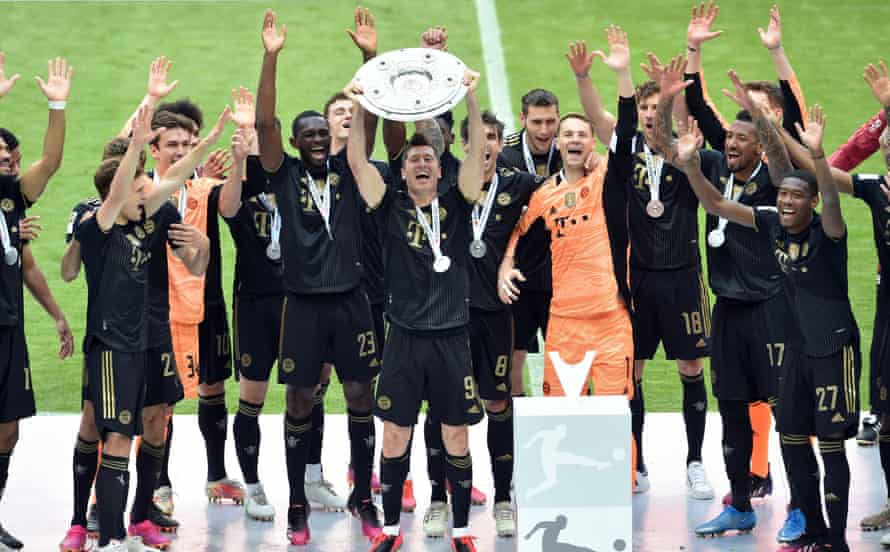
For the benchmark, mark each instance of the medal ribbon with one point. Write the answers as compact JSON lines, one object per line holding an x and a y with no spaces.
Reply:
{"x":654,"y":165}
{"x":322,"y":198}
{"x":530,"y":161}
{"x":276,"y":217}
{"x":480,"y":213}
{"x":727,"y":193}
{"x":4,"y":234}
{"x":433,"y":234}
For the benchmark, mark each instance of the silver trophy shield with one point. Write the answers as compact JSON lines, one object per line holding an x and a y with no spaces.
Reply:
{"x":411,"y":84}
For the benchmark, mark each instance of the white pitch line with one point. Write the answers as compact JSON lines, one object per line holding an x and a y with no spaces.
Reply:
{"x":495,"y":68}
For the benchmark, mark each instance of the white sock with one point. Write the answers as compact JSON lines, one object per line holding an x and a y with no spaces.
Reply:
{"x":313,"y":473}
{"x":251,"y":487}
{"x":459,"y":532}
{"x":391,"y":530}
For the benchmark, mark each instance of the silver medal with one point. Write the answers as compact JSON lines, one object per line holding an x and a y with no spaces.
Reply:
{"x":442,"y":264}
{"x":478,"y":249}
{"x":655,"y":208}
{"x":273,"y":251}
{"x":716,"y":237}
{"x":11,"y":256}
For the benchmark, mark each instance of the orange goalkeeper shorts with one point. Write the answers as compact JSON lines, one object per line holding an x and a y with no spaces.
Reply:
{"x":607,"y":339}
{"x":185,"y":349}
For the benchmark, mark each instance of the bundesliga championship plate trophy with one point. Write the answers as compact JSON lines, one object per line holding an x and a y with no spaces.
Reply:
{"x":572,"y":477}
{"x":411,"y":84}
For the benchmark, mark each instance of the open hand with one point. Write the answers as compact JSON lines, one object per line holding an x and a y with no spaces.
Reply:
{"x":273,"y":41}
{"x":699,"y":29}
{"x":157,"y":78}
{"x":365,"y":34}
{"x":6,"y":84}
{"x":671,"y":77}
{"x":740,"y":95}
{"x":812,"y":136}
{"x":619,"y":52}
{"x":579,"y":60}
{"x":690,"y":142}
{"x":772,"y":36}
{"x":57,"y":85}
{"x":878,"y":82}
{"x":244,"y":113}
{"x":66,"y":339}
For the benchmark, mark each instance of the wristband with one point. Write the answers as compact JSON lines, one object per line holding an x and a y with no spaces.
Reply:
{"x":57,"y":105}
{"x":776,"y":48}
{"x":691,"y":49}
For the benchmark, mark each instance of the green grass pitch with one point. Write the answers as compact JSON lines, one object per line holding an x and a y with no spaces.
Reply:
{"x":216,"y":46}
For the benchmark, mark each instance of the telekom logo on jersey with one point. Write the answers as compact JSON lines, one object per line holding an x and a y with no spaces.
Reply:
{"x":572,"y":375}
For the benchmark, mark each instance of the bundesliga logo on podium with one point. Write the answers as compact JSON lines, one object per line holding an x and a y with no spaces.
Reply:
{"x":573,"y":468}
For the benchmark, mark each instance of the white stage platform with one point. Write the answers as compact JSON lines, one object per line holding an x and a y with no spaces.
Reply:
{"x":37,"y":505}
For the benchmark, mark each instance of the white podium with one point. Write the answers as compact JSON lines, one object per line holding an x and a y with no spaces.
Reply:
{"x":572,"y":475}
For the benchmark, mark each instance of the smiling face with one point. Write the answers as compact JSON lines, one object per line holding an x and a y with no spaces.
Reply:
{"x":171,"y":146}
{"x":8,"y":159}
{"x":421,"y":170}
{"x":313,"y":140}
{"x":540,"y":124}
{"x":742,"y":147}
{"x":575,"y":140}
{"x":796,"y":202}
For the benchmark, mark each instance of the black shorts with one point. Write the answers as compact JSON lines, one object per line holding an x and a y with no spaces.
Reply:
{"x":257,"y":327}
{"x":748,"y":347}
{"x":435,"y":367}
{"x":820,"y":395}
{"x":879,"y":357}
{"x":530,"y":314}
{"x":214,"y":346}
{"x":670,"y":306}
{"x":378,"y":316}
{"x":491,"y":343}
{"x":162,"y":384}
{"x":335,"y":327}
{"x":116,"y":387}
{"x":16,"y":388}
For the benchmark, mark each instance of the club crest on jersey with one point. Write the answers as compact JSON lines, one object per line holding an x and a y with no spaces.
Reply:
{"x":584,"y":192}
{"x":570,"y":199}
{"x":751,"y":188}
{"x":149,"y":226}
{"x":7,"y":205}
{"x":246,"y":360}
{"x":504,"y":199}
{"x":384,"y":402}
{"x":125,"y":417}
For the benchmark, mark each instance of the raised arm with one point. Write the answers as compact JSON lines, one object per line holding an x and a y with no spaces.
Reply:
{"x":183,"y":169}
{"x":469,"y":179}
{"x":268,"y":132}
{"x":767,"y":131}
{"x":157,"y":90}
{"x":580,"y":61}
{"x":56,"y":89}
{"x":688,"y":160}
{"x":671,"y":83}
{"x":801,"y":159}
{"x":771,"y":39}
{"x":122,"y":183}
{"x":365,"y":38}
{"x":243,"y":141}
{"x":6,"y":83}
{"x":832,"y":217}
{"x":878,"y":81}
{"x":370,"y":183}
{"x":698,"y":32}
